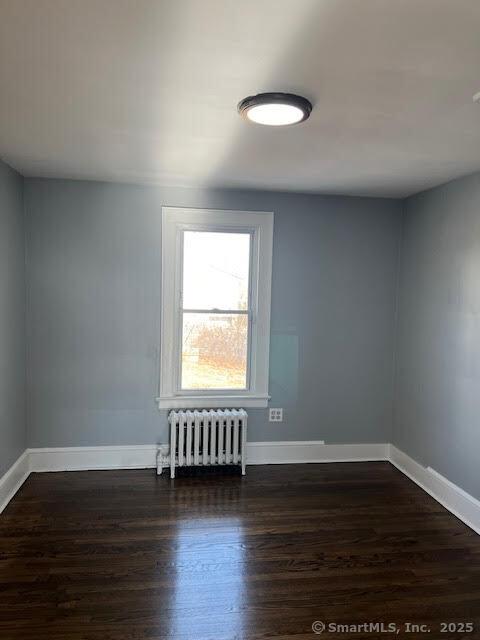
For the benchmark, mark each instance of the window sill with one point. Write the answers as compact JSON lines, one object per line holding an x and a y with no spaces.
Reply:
{"x":213,"y":402}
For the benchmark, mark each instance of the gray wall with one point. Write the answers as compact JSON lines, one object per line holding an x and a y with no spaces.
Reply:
{"x":12,"y":318}
{"x":437,"y":400}
{"x":93,"y":287}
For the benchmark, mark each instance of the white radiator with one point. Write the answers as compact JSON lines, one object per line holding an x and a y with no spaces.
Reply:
{"x":207,"y":438}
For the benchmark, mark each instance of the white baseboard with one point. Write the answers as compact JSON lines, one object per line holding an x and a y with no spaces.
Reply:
{"x":448,"y":494}
{"x":13,"y":479}
{"x":144,"y":456}
{"x":456,"y":500}
{"x":290,"y":452}
{"x":90,"y":458}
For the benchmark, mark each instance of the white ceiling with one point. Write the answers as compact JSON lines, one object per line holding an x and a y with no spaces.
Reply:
{"x":146,"y":91}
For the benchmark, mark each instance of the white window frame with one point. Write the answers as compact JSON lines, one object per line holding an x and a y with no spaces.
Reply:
{"x":260,"y":226}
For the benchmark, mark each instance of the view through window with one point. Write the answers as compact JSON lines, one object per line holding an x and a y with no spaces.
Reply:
{"x":215,"y":313}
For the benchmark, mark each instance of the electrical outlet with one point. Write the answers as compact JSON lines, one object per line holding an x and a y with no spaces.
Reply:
{"x":275,"y":415}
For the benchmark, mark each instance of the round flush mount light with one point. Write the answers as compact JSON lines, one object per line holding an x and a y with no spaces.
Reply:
{"x":275,"y":109}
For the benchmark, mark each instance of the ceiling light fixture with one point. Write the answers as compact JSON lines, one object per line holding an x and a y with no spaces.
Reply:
{"x":275,"y":109}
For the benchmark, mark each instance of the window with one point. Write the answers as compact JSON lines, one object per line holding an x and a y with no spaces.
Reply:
{"x":215,"y":310}
{"x":216,"y":278}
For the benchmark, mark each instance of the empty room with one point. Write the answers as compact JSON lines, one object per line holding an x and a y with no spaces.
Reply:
{"x":239,"y":319}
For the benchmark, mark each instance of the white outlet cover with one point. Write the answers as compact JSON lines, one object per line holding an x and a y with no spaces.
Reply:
{"x":275,"y":415}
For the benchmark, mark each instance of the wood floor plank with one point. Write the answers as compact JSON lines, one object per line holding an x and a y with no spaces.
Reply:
{"x":127,"y":555}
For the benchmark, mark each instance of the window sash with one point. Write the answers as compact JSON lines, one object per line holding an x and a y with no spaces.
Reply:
{"x":189,"y":390}
{"x":179,"y":390}
{"x":212,"y":312}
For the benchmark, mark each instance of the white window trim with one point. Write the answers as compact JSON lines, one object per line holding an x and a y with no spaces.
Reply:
{"x":260,"y":225}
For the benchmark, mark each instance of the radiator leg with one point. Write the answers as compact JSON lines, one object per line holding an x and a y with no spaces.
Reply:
{"x":244,"y":442}
{"x":173,"y":419}
{"x":159,"y":463}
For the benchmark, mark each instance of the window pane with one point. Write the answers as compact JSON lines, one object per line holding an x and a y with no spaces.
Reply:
{"x":215,"y":270}
{"x":214,"y":351}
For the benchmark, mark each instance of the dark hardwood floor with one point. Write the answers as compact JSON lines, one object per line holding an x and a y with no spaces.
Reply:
{"x":124,"y":555}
